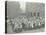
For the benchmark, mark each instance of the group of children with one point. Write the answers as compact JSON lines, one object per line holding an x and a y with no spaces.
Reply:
{"x":23,"y":23}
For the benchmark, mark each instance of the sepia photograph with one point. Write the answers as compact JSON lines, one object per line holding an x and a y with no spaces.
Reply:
{"x":24,"y":17}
